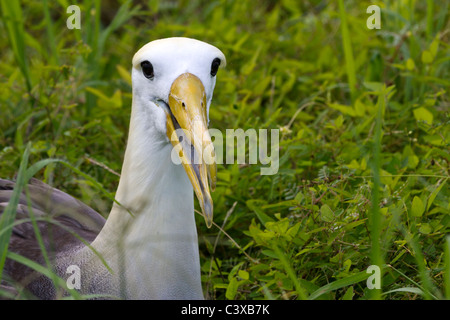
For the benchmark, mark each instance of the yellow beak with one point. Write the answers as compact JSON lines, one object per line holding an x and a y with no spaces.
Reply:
{"x":187,"y":129}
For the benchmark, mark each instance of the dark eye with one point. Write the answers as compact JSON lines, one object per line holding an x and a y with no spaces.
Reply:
{"x":215,"y":66}
{"x":147,"y":69}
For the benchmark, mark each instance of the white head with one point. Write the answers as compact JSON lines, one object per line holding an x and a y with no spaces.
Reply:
{"x":173,"y":83}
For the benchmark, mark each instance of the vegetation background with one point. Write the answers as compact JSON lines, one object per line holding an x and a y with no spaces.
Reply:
{"x":364,"y":127}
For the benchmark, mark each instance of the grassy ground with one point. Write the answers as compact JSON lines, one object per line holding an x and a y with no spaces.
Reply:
{"x":364,"y":132}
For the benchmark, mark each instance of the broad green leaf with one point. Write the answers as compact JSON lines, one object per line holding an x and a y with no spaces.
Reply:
{"x":422,"y":114}
{"x":299,"y":197}
{"x":326,"y":213}
{"x":232,"y":289}
{"x":427,"y":57}
{"x":124,"y":74}
{"x":434,"y":46}
{"x":417,"y":207}
{"x":254,"y":205}
{"x":344,"y":109}
{"x":348,"y":295}
{"x":243,"y":274}
{"x":425,"y":228}
{"x":270,"y":253}
{"x":373,"y":86}
{"x":410,"y":65}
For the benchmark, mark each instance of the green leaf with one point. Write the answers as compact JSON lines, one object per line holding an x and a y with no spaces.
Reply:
{"x":408,"y":290}
{"x":422,"y":114}
{"x":434,"y":194}
{"x":425,"y":228}
{"x":354,"y":224}
{"x":124,"y":74}
{"x":291,"y":272}
{"x":270,"y":253}
{"x":350,"y":64}
{"x":254,"y":205}
{"x":373,"y":86}
{"x":427,"y":57}
{"x":348,"y":294}
{"x":299,"y":197}
{"x":326,"y":214}
{"x":358,"y":277}
{"x":410,"y":64}
{"x":33,"y":169}
{"x":243,"y":274}
{"x":417,"y":207}
{"x":409,"y":154}
{"x":13,"y":21}
{"x":344,"y":109}
{"x":434,"y":46}
{"x":232,"y":289}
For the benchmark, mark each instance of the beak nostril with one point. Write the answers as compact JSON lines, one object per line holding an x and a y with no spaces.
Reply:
{"x":183,"y":104}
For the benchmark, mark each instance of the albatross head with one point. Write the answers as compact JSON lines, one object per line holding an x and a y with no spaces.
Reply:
{"x":173,"y":82}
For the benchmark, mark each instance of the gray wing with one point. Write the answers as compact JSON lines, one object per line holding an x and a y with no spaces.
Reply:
{"x":58,"y":216}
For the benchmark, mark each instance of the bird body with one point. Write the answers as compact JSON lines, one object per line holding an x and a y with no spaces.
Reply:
{"x":148,"y":246}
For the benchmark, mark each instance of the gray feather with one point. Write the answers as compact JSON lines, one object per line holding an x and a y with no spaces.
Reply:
{"x":59,"y":215}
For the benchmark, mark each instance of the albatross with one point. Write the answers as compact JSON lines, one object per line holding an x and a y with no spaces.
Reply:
{"x":147,"y":248}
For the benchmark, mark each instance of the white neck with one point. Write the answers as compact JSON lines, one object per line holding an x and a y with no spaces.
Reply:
{"x":150,"y":240}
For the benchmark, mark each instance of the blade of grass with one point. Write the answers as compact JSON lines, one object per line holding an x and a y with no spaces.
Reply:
{"x":447,"y":268}
{"x":430,"y":16}
{"x":64,"y":227}
{"x":7,"y":222}
{"x":406,"y":289}
{"x":93,"y":25}
{"x":442,"y":16}
{"x":291,"y":273}
{"x":348,"y":52}
{"x":423,"y":272}
{"x":7,"y":292}
{"x":92,"y":33}
{"x":53,"y":277}
{"x":425,"y":292}
{"x":123,"y":15}
{"x":24,"y":176}
{"x":360,"y":276}
{"x":97,"y":40}
{"x":267,"y":292}
{"x":43,"y":270}
{"x":50,"y":34}
{"x":375,"y":216}
{"x":9,"y":214}
{"x":33,"y":169}
{"x":13,"y":19}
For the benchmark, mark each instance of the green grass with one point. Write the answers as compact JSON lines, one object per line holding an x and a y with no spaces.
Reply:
{"x":364,"y":134}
